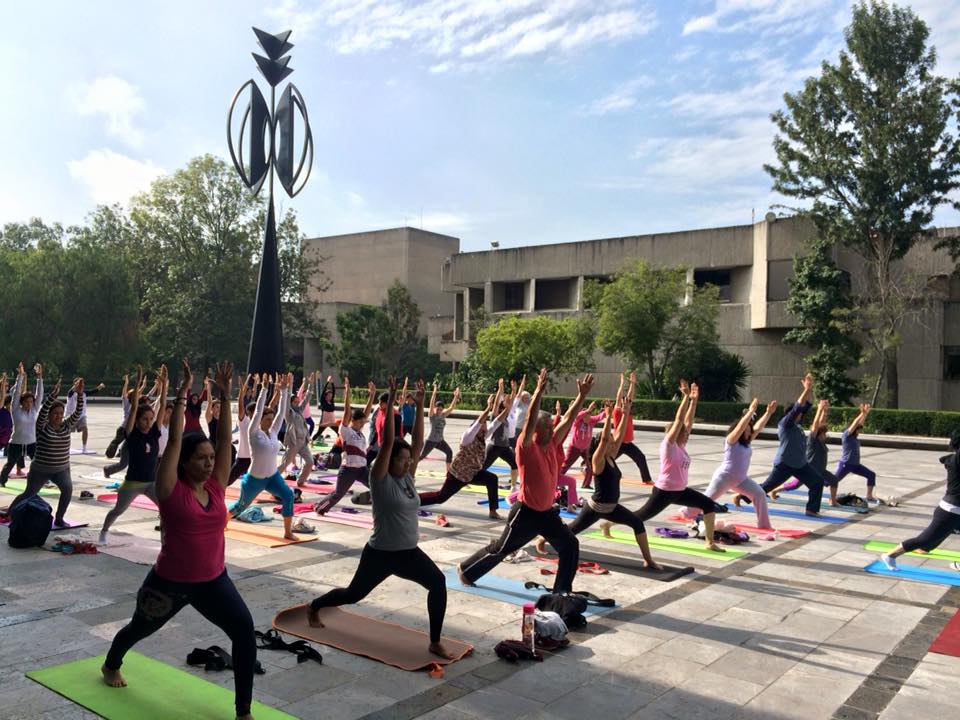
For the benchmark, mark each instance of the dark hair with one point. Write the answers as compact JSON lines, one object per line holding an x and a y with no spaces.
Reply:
{"x":169,"y":405}
{"x":399,"y":445}
{"x":357,"y":414}
{"x":188,"y":446}
{"x":7,"y":400}
{"x":733,"y":426}
{"x":384,"y":397}
{"x":143,"y":408}
{"x":251,"y":406}
{"x":955,"y":439}
{"x":53,"y":406}
{"x":27,"y":396}
{"x":438,"y":403}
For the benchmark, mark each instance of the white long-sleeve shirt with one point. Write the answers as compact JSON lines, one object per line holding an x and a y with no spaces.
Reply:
{"x":25,"y":421}
{"x":264,"y":446}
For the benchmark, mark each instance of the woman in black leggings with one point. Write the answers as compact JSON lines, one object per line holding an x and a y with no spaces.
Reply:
{"x":191,"y":482}
{"x":604,"y":504}
{"x":438,"y":421}
{"x":392,"y":547}
{"x":467,"y":467}
{"x":499,"y":445}
{"x":946,"y":516}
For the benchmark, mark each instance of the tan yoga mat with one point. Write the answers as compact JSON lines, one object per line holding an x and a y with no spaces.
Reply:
{"x":133,"y":548}
{"x":391,"y":644}
{"x":268,"y":534}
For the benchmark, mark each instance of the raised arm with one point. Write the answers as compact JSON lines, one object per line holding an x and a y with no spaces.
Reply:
{"x":242,"y":398}
{"x":284,"y":382}
{"x":382,"y":463}
{"x":734,"y":435}
{"x":346,"y":401}
{"x":74,"y":418}
{"x":208,"y":390}
{"x":433,"y":400}
{"x":254,"y":426}
{"x":167,"y":470}
{"x":453,"y":403}
{"x":18,"y":386}
{"x":860,"y":419}
{"x":371,"y":397}
{"x":160,"y":404}
{"x":46,"y":405}
{"x":222,"y":461}
{"x":626,"y":418}
{"x":530,"y":423}
{"x":599,"y":459}
{"x":692,"y":407}
{"x":134,"y":404}
{"x":762,"y":421}
{"x":584,"y":385}
{"x":820,"y":417}
{"x":416,"y":446}
{"x":38,"y":371}
{"x":673,"y":432}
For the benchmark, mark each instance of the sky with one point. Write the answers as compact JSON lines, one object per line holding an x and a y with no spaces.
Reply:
{"x":521,"y":122}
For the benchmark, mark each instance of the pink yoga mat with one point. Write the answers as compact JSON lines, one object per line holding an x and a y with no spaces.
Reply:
{"x":342,"y":518}
{"x":784,"y":532}
{"x":141,"y":501}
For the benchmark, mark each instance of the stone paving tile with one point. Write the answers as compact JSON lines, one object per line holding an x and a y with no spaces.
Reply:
{"x":493,"y":705}
{"x":599,"y":699}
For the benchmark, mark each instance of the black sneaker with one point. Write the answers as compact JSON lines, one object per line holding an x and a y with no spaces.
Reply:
{"x":114,"y":445}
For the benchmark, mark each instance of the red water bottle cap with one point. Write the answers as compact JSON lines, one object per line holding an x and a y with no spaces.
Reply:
{"x":529,"y":608}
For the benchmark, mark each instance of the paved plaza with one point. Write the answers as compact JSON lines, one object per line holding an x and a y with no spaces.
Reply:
{"x":794,"y":629}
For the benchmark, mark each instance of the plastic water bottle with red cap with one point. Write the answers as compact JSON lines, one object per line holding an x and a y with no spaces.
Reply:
{"x":527,"y":628}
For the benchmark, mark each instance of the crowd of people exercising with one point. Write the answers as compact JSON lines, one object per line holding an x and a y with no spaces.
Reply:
{"x":188,"y":473}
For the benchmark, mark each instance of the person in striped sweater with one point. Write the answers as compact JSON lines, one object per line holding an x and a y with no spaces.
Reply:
{"x":52,"y":461}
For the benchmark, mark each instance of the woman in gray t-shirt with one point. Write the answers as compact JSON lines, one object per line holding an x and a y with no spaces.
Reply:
{"x":392,"y":547}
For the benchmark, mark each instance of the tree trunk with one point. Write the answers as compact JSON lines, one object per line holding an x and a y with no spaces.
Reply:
{"x":893,"y":378}
{"x":655,"y":388}
{"x":879,"y":383}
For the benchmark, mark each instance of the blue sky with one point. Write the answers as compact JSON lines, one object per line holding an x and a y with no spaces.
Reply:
{"x":517,"y":121}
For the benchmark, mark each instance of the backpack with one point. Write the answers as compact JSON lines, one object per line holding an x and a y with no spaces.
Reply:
{"x":30,"y":523}
{"x":570,"y":608}
{"x":851,"y":500}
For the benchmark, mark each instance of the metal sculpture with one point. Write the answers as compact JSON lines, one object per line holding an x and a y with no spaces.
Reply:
{"x":264,"y":147}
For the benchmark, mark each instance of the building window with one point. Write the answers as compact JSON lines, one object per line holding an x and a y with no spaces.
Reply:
{"x":508,"y":296}
{"x":555,"y":294}
{"x":720,"y":278}
{"x":951,"y":362}
{"x":779,"y":274}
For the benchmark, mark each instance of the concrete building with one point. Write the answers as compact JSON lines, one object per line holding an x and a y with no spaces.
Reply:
{"x":360,"y":267}
{"x":751,"y":264}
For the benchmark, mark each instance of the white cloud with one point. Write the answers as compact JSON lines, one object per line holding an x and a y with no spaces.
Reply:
{"x":114,"y":98}
{"x":110,"y":177}
{"x":482,"y":31}
{"x":623,"y":97}
{"x":769,"y":16}
{"x":943,"y":19}
{"x":443,"y":221}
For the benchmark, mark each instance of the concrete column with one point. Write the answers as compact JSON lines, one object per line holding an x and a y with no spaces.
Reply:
{"x":488,"y":296}
{"x":688,"y":293}
{"x":758,"y":275}
{"x":531,"y":294}
{"x":578,"y":299}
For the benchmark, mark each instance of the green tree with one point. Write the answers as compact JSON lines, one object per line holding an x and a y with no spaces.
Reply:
{"x":360,"y":353}
{"x":820,"y":301}
{"x":642,"y":318}
{"x":516,"y":346}
{"x":870,"y":145}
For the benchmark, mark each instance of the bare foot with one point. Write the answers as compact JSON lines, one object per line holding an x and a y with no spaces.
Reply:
{"x":714,"y":547}
{"x":605,"y":529}
{"x":651,"y":565}
{"x":811,"y":514}
{"x":59,"y":523}
{"x":248,"y":716}
{"x":313,"y":618}
{"x":438,"y":649}
{"x":834,"y":503}
{"x":113,"y":678}
{"x":736,"y":499}
{"x":463,"y":579}
{"x":494,"y":515}
{"x":774,"y":495}
{"x":541,"y":546}
{"x":289,"y":536}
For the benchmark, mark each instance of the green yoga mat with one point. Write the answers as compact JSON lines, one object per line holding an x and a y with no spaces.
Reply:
{"x":877,"y":546}
{"x":15,"y":486}
{"x":674,"y":545}
{"x":481,"y":490}
{"x":155,"y":691}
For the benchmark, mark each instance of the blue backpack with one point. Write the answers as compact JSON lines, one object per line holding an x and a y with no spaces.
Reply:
{"x":30,"y":522}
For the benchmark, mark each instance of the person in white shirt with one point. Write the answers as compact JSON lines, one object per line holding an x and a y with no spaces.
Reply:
{"x":24,"y":409}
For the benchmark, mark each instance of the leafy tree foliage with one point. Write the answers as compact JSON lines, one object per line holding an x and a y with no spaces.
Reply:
{"x":870,"y":145}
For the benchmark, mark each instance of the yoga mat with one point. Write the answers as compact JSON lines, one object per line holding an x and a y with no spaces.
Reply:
{"x":938,"y":553}
{"x":675,"y":545}
{"x":916,"y":573}
{"x":132,"y":548}
{"x":74,"y":451}
{"x":948,"y":641}
{"x":797,"y":515}
{"x":233,"y":493}
{"x":503,"y":504}
{"x":634,"y":565}
{"x":508,"y":590}
{"x":67,"y":524}
{"x":481,"y":490}
{"x":256,"y":534}
{"x":141,"y":501}
{"x":341,"y":518}
{"x":15,"y":486}
{"x":802,"y":503}
{"x":155,"y":691}
{"x":389,"y":643}
{"x":784,"y":532}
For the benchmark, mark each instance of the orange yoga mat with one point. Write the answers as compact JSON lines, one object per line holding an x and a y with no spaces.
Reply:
{"x":233,"y":493}
{"x":389,"y":643}
{"x":269,"y":534}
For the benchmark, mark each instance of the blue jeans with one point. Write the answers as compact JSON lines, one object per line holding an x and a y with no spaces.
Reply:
{"x":250,"y":487}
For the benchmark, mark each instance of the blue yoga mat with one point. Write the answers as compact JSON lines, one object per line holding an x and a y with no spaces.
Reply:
{"x":790,"y":514}
{"x":915,"y":573}
{"x":504,"y":505}
{"x":802,"y":503}
{"x":506,"y":590}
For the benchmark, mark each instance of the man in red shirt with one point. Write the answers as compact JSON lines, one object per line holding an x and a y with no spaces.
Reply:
{"x":539,"y":456}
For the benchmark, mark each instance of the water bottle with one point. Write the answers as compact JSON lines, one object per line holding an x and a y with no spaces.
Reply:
{"x":527,"y":628}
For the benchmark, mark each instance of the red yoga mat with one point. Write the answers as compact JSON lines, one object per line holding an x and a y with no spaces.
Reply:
{"x":948,"y":641}
{"x":141,"y":501}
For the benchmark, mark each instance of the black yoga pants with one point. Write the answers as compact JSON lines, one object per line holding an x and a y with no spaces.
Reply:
{"x":941,"y":525}
{"x":451,"y":486}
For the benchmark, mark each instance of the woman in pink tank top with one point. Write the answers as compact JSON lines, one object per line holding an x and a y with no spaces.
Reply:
{"x":191,"y":481}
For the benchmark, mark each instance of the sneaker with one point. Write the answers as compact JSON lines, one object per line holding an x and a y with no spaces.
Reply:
{"x":86,"y":495}
{"x":873,"y":501}
{"x":891,"y":563}
{"x":955,"y":566}
{"x":303,"y":527}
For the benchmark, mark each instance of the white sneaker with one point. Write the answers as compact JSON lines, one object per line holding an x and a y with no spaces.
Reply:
{"x":890,"y":562}
{"x":103,"y":539}
{"x":955,"y":566}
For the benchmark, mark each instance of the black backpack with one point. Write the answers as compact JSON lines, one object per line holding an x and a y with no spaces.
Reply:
{"x":569,"y":607}
{"x":30,"y":522}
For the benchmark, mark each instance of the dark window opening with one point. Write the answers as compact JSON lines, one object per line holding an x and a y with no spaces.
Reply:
{"x":720,"y":278}
{"x":508,"y":296}
{"x":555,"y":294}
{"x":951,"y":362}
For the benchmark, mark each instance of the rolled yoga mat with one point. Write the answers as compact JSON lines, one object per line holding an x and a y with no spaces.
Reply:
{"x":155,"y":691}
{"x":675,"y":545}
{"x":916,"y":573}
{"x":948,"y":641}
{"x":937,"y":553}
{"x":621,"y":563}
{"x":797,"y":515}
{"x":389,"y":643}
{"x":268,"y":534}
{"x":508,"y":590}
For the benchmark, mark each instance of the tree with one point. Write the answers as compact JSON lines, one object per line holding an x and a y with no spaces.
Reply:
{"x":721,"y":375}
{"x":518,"y":346}
{"x":642,"y":319}
{"x":869,"y":145}
{"x":820,"y":301}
